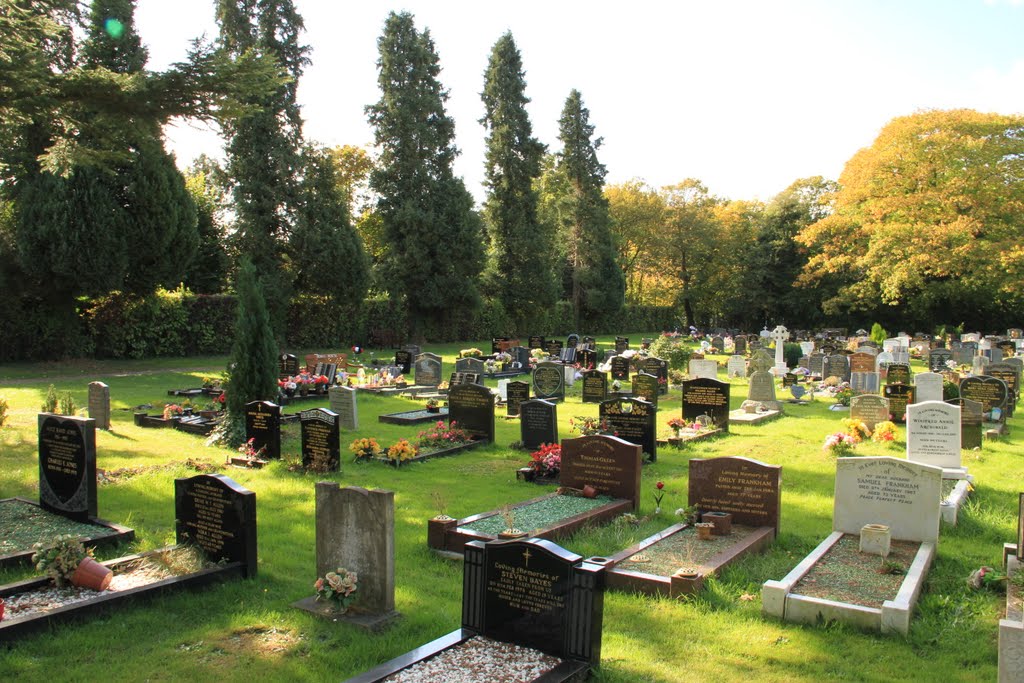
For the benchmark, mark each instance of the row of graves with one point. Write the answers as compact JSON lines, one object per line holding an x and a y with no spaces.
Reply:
{"x":215,"y":530}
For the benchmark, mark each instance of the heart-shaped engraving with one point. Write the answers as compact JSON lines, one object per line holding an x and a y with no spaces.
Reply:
{"x":62,"y":460}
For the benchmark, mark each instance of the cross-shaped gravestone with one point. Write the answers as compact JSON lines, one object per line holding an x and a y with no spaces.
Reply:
{"x":779,"y":335}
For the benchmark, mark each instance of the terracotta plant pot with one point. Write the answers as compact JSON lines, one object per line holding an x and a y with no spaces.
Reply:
{"x":589,"y":491}
{"x":92,"y":574}
{"x":704,"y":531}
{"x":721,"y":520}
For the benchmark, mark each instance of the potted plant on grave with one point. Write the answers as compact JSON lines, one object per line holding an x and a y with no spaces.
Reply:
{"x":545,"y":463}
{"x":338,"y":589}
{"x":676,"y":424}
{"x":321,"y":382}
{"x":172,"y":410}
{"x":433,"y":406}
{"x":66,"y":560}
{"x":509,"y":516}
{"x":287,"y":386}
{"x":250,"y":455}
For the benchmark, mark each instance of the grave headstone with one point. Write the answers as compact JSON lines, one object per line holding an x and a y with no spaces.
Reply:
{"x":287,"y":365}
{"x":870,"y":350}
{"x":971,"y":418}
{"x":568,"y":355}
{"x":1009,"y":374}
{"x":807,"y":347}
{"x":646,"y":387}
{"x":535,"y":594}
{"x":499,"y":344}
{"x":621,"y":344}
{"x":739,"y":344}
{"x":595,"y":386}
{"x":620,"y":368}
{"x":587,"y":358}
{"x":718,"y":343}
{"x":520,"y":357}
{"x":898,"y":373}
{"x":471,"y":406}
{"x":816,"y":364}
{"x":862,"y":362}
{"x":549,"y":381}
{"x":736,"y":367}
{"x":355,"y":529}
{"x":929,"y":386}
{"x":790,"y":379}
{"x":403,"y":359}
{"x":633,"y":420}
{"x":67,"y":465}
{"x":892,"y":345}
{"x":321,"y":441}
{"x":427,"y":370}
{"x":882,"y":362}
{"x":218,"y":515}
{"x":703,"y":368}
{"x":659,"y":368}
{"x":899,"y":397}
{"x":707,"y":397}
{"x":865,"y":382}
{"x":990,"y":392}
{"x":933,"y":434}
{"x":610,"y":464}
{"x":885,"y":490}
{"x":979,"y":365}
{"x":964,"y":354}
{"x":836,"y":365}
{"x":1007,"y":347}
{"x":572,"y":341}
{"x":537,"y":342}
{"x":762,"y":389}
{"x":342,"y":401}
{"x":517,"y":394}
{"x":466,"y":365}
{"x":538,"y":423}
{"x":747,"y":489}
{"x":554,"y":347}
{"x":870,"y":408}
{"x":263,"y":427}
{"x":570,"y":375}
{"x":99,"y":404}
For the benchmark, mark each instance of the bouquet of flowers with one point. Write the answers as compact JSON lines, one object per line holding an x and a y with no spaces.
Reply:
{"x":339,"y":587}
{"x":401,"y":451}
{"x":547,"y":460}
{"x":364,"y":448}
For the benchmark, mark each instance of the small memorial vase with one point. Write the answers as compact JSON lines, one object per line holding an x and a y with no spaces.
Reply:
{"x":875,"y":539}
{"x":589,"y":491}
{"x":704,"y":530}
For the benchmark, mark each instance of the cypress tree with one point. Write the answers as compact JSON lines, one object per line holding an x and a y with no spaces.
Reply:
{"x":520,"y":267}
{"x":264,"y":146}
{"x":434,"y":239}
{"x":253,"y":369}
{"x":596,"y":282}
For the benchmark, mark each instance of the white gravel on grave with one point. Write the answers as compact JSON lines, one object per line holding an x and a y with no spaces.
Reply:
{"x":50,"y":598}
{"x":479,"y":660}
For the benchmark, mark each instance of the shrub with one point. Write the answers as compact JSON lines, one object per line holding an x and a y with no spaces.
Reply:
{"x":671,"y":350}
{"x":3,"y":411}
{"x":67,"y":403}
{"x":50,"y":402}
{"x":792,"y":353}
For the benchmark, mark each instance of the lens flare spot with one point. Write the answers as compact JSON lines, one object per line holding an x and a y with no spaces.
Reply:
{"x":114,"y":28}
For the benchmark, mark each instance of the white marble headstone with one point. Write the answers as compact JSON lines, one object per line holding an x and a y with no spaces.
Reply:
{"x":884,"y":490}
{"x":703,"y":368}
{"x":737,"y":366}
{"x":503,"y":389}
{"x":929,"y":386}
{"x":933,"y":434}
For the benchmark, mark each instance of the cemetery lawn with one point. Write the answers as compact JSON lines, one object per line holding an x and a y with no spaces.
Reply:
{"x":244,"y":630}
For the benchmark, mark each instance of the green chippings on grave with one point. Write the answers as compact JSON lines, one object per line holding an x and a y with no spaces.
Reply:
{"x":541,"y":514}
{"x":682,"y":549}
{"x":23,"y":524}
{"x":845,"y":574}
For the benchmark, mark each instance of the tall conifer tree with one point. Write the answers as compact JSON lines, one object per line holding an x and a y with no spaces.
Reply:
{"x":434,"y":239}
{"x":596,"y":282}
{"x":520,"y":269}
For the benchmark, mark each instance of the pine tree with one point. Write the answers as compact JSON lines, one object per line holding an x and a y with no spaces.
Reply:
{"x":253,"y":368}
{"x":520,"y":267}
{"x":327,"y":253}
{"x":434,"y":239}
{"x":595,"y":279}
{"x":264,"y":148}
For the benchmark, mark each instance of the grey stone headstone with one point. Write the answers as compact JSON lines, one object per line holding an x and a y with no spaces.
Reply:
{"x":355,"y":529}
{"x":343,"y":402}
{"x":865,"y":382}
{"x":870,"y":408}
{"x":929,"y":386}
{"x":99,"y":404}
{"x":737,"y":366}
{"x":762,"y":388}
{"x":427,"y":369}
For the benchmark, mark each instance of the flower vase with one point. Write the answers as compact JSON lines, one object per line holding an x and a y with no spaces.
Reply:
{"x":304,"y":390}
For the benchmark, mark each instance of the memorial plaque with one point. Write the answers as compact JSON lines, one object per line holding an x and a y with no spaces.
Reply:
{"x":870,"y":408}
{"x":263,"y":426}
{"x":621,"y":344}
{"x":587,"y":358}
{"x":67,"y":465}
{"x":937,"y":359}
{"x":287,"y":365}
{"x":99,"y":404}
{"x":610,"y":464}
{"x":718,"y":343}
{"x":933,"y":434}
{"x":427,"y":370}
{"x":595,"y":386}
{"x":1011,"y":376}
{"x":884,"y":490}
{"x":865,"y":382}
{"x":633,"y":420}
{"x":899,"y":397}
{"x":990,"y":392}
{"x":708,"y":397}
{"x":403,"y":359}
{"x":620,"y":368}
{"x":646,"y":387}
{"x":471,"y":407}
{"x":538,"y":423}
{"x":862,"y":362}
{"x":659,"y":368}
{"x":549,"y":381}
{"x":537,"y":342}
{"x":216,"y":514}
{"x":747,"y":489}
{"x":515,"y":394}
{"x":789,"y":380}
{"x":470,"y":365}
{"x":342,"y":401}
{"x":898,"y":373}
{"x":321,"y":441}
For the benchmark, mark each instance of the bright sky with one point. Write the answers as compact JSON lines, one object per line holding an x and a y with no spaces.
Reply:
{"x":746,"y":95}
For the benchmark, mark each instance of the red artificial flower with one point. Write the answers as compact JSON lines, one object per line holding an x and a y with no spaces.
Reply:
{"x":660,"y":485}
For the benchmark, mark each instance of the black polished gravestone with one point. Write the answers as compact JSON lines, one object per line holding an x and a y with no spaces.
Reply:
{"x":657,"y":367}
{"x":633,"y":420}
{"x":67,"y":466}
{"x":538,"y":423}
{"x":263,"y":427}
{"x":534,"y":593}
{"x":287,"y":365}
{"x":554,"y":347}
{"x":1009,"y":374}
{"x":739,"y":345}
{"x":620,"y":368}
{"x":898,"y":373}
{"x":595,"y":386}
{"x":572,"y":341}
{"x":403,"y":359}
{"x":989,"y":391}
{"x":321,"y":439}
{"x":549,"y":381}
{"x":646,"y":387}
{"x":899,"y":397}
{"x":971,"y":418}
{"x":471,"y":407}
{"x":937,"y":359}
{"x":537,"y":342}
{"x":705,"y":396}
{"x":499,"y":344}
{"x":587,"y":358}
{"x":515,"y":394}
{"x":213,"y":512}
{"x":621,"y":344}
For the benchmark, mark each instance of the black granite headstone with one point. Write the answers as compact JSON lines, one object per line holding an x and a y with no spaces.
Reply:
{"x":898,"y":373}
{"x":471,"y":406}
{"x":659,"y":368}
{"x":499,"y":344}
{"x":263,"y":426}
{"x":621,"y":344}
{"x":554,"y":347}
{"x":646,"y":387}
{"x":321,"y":439}
{"x":287,"y":365}
{"x":705,"y":396}
{"x":549,"y":381}
{"x":538,"y":423}
{"x":937,"y":359}
{"x":67,"y":466}
{"x":537,"y":342}
{"x":403,"y":359}
{"x":216,"y":514}
{"x":632,"y":420}
{"x":620,"y":368}
{"x":595,"y":386}
{"x":989,"y":391}
{"x":587,"y":358}
{"x":899,"y":396}
{"x":572,"y":341}
{"x":515,"y":394}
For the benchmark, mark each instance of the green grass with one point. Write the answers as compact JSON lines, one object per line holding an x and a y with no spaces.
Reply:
{"x":245,"y":630}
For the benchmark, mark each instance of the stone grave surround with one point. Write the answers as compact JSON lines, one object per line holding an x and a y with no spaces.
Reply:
{"x":884,"y":490}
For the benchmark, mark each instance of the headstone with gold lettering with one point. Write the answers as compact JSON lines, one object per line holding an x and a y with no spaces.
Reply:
{"x":608,"y":463}
{"x":217,"y":515}
{"x":263,"y":427}
{"x":471,"y":406}
{"x":633,"y":420}
{"x":67,"y":465}
{"x":747,"y":489}
{"x":707,"y":397}
{"x":321,"y":440}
